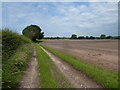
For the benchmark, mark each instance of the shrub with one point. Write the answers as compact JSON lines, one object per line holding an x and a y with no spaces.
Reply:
{"x":16,"y":53}
{"x":10,"y":42}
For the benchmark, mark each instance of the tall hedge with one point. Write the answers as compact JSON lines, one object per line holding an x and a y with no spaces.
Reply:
{"x":10,"y":42}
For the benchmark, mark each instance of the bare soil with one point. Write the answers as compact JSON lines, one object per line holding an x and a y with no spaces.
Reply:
{"x":30,"y":79}
{"x":77,"y":78}
{"x":102,"y":53}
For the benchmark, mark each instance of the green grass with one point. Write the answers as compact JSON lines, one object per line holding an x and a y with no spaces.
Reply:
{"x":106,"y":78}
{"x":16,"y":53}
{"x":50,"y":76}
{"x":13,"y":67}
{"x":10,"y":42}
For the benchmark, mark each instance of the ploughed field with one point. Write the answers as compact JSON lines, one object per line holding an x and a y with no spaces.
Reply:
{"x":102,"y":53}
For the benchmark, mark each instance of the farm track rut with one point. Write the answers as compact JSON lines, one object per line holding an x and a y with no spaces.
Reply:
{"x":77,"y":78}
{"x":30,"y":78}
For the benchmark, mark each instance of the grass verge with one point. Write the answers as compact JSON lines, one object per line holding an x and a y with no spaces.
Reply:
{"x":50,"y":76}
{"x":106,"y":78}
{"x":13,"y":67}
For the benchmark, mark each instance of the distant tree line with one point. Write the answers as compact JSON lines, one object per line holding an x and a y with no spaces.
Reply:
{"x":102,"y":36}
{"x":34,"y":33}
{"x":74,"y":36}
{"x":56,"y":38}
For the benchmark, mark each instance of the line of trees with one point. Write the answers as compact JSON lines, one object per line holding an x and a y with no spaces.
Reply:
{"x":102,"y":36}
{"x":34,"y":32}
{"x":74,"y":36}
{"x":56,"y":38}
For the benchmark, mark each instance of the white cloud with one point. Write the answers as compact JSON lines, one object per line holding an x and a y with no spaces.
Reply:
{"x":63,"y":19}
{"x":89,"y":13}
{"x":92,"y":17}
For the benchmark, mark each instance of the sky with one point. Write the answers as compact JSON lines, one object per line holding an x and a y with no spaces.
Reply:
{"x":60,"y":0}
{"x":62,"y":18}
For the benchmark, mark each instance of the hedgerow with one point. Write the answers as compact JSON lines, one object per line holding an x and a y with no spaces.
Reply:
{"x":10,"y":42}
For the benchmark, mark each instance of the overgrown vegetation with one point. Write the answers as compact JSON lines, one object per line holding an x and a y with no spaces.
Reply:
{"x":50,"y":76}
{"x":10,"y":42}
{"x":17,"y":51}
{"x":106,"y":78}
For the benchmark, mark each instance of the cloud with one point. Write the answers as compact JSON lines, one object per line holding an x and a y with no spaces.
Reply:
{"x":60,"y":0}
{"x":63,"y":19}
{"x":91,"y":18}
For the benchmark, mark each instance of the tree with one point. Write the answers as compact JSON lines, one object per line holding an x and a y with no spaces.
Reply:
{"x":91,"y":37}
{"x":57,"y":37}
{"x":81,"y":37}
{"x":97,"y":37}
{"x":86,"y":37}
{"x":41,"y":35}
{"x":33,"y":32}
{"x":102,"y":36}
{"x":108,"y":37}
{"x":74,"y":36}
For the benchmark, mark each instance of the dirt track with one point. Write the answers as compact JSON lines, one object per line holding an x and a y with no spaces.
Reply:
{"x":77,"y":78}
{"x":30,"y":78}
{"x":98,"y":52}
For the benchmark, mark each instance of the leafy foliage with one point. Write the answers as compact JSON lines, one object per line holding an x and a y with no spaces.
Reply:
{"x":81,"y":37}
{"x":33,"y":32}
{"x":16,"y":52}
{"x":103,"y":36}
{"x":74,"y":36}
{"x":12,"y":69}
{"x":10,"y":42}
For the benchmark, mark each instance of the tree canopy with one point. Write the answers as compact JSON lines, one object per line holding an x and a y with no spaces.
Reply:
{"x":33,"y":32}
{"x":74,"y":36}
{"x":103,"y":36}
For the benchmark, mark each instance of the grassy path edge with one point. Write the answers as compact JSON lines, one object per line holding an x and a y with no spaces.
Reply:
{"x":50,"y":77}
{"x":14,"y":67}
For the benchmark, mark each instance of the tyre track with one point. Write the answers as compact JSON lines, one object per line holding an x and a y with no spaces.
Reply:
{"x":30,"y":78}
{"x":75,"y":77}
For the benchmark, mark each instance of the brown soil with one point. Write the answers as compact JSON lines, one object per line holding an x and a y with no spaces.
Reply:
{"x":77,"y":78}
{"x":30,"y":78}
{"x":97,"y":52}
